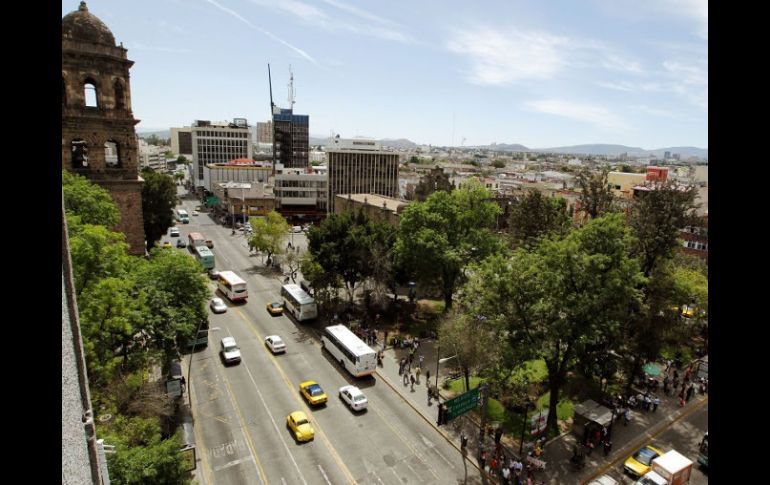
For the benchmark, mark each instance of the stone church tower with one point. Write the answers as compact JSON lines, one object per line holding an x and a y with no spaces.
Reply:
{"x":98,"y":137}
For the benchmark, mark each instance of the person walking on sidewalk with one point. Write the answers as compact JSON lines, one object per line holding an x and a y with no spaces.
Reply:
{"x":411,"y":379}
{"x":406,"y":378}
{"x":427,"y":377}
{"x":483,"y":459}
{"x":690,"y":391}
{"x":627,"y":417}
{"x":655,"y":403}
{"x":421,"y":359}
{"x":417,"y":372}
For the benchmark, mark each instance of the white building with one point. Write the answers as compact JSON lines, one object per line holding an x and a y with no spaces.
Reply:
{"x":152,"y":156}
{"x":241,"y":170}
{"x":218,"y":142}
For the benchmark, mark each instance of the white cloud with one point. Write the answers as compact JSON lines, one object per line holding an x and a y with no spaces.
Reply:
{"x":500,"y":59}
{"x":360,"y":13}
{"x":595,"y":115}
{"x":689,"y":80}
{"x":269,"y":34}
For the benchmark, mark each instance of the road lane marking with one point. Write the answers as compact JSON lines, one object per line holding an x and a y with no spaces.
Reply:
{"x":252,"y":450}
{"x":199,"y":439}
{"x":319,"y":431}
{"x":232,"y":463}
{"x":324,"y":474}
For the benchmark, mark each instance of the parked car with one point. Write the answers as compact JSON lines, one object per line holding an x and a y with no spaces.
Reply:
{"x":217,"y":305}
{"x":195,"y":213}
{"x":300,"y":426}
{"x":173,"y":232}
{"x":275,"y":308}
{"x":167,"y":245}
{"x":180,"y":243}
{"x":231,"y":354}
{"x":275,"y":343}
{"x":353,"y":397}
{"x":313,"y":393}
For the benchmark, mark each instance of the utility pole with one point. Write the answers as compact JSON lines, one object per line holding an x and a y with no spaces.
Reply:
{"x":483,"y":398}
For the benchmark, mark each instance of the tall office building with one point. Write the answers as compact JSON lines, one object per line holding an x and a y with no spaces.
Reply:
{"x":291,"y":143}
{"x":360,"y":166}
{"x":218,"y":142}
{"x":265,"y":132}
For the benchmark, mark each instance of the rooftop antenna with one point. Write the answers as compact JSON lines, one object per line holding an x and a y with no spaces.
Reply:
{"x":292,"y":92}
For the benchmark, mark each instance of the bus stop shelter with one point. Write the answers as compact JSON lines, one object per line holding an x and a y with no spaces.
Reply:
{"x":590,"y":417}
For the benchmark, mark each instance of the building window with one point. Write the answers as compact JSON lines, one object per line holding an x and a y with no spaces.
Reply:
{"x":119,"y":95}
{"x":111,"y":155}
{"x":90,"y":94}
{"x":79,"y":154}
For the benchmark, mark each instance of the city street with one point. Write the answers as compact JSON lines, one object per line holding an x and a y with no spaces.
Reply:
{"x":240,"y":411}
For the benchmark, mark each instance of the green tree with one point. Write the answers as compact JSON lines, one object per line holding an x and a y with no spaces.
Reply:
{"x":268,"y":234}
{"x":324,"y":283}
{"x":557,"y":300}
{"x":91,"y":203}
{"x":657,"y":217}
{"x":439,"y":237}
{"x":433,"y":181}
{"x":498,"y":164}
{"x":596,"y":198}
{"x":158,"y":201}
{"x":176,"y":291}
{"x":96,"y":253}
{"x":181,"y":159}
{"x":142,"y":456}
{"x":472,"y":340}
{"x":533,"y":217}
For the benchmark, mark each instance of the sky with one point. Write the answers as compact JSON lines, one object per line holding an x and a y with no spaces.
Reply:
{"x":541,"y":73}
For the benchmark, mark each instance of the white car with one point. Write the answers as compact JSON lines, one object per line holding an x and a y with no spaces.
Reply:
{"x":296,"y":229}
{"x":604,"y":480}
{"x":230,"y":351}
{"x":354,"y":397}
{"x":173,"y":232}
{"x":217,"y":305}
{"x":195,"y":213}
{"x":275,"y":343}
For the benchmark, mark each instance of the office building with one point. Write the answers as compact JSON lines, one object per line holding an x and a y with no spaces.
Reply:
{"x":291,"y":138}
{"x":301,"y":197}
{"x":218,"y":142}
{"x":181,"y":141}
{"x":359,"y":166}
{"x":265,"y":132}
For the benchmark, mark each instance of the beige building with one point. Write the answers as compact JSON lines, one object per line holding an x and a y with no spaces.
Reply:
{"x":218,"y":142}
{"x":265,"y":132}
{"x":181,"y":141}
{"x":358,"y":166}
{"x":375,"y":206}
{"x":622,"y":184}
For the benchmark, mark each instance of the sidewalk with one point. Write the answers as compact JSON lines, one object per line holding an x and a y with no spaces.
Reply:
{"x":625,"y":439}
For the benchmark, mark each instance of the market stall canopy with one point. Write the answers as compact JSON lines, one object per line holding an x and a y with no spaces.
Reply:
{"x":593,"y":411}
{"x":651,"y":369}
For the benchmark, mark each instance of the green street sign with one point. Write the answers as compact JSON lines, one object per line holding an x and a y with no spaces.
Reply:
{"x":461,"y":404}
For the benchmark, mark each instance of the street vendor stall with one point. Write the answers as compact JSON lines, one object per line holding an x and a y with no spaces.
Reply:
{"x":589,"y":418}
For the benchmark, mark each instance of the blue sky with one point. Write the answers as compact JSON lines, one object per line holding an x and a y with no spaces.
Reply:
{"x":540,"y":73}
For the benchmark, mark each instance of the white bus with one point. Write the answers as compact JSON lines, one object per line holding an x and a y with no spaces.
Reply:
{"x":182,"y":216}
{"x":350,"y":351}
{"x":298,"y":303}
{"x":232,"y":286}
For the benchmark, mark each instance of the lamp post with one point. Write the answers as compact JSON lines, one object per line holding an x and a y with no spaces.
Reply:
{"x":441,"y":361}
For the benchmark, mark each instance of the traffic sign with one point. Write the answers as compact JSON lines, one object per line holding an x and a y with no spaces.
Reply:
{"x":461,"y":404}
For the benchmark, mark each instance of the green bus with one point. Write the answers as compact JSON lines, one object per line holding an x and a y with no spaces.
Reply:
{"x":205,"y":256}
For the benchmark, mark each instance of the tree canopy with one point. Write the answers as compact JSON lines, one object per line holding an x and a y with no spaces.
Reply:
{"x":596,"y":198}
{"x":158,"y":201}
{"x":268,"y":234}
{"x":88,"y":201}
{"x":534,"y":216}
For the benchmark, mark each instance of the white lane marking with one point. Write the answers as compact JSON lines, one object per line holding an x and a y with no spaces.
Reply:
{"x":430,"y":445}
{"x":324,"y":474}
{"x":283,"y":480}
{"x":232,"y":463}
{"x":275,"y":426}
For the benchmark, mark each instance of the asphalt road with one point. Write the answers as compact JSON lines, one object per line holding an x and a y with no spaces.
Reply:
{"x":240,"y":411}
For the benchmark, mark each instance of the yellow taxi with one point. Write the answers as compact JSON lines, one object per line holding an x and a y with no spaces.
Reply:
{"x":312,"y":392}
{"x":300,"y":426}
{"x":166,"y":245}
{"x":275,"y":308}
{"x":640,"y":462}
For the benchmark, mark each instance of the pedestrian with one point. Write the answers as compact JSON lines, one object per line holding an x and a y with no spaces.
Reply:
{"x":406,"y":378}
{"x":506,"y":476}
{"x":597,"y":437}
{"x":421,"y":359}
{"x":493,"y":465}
{"x":655,"y":404}
{"x":627,"y":417}
{"x":385,"y":340}
{"x":607,"y":446}
{"x":418,"y":375}
{"x":519,"y":466}
{"x":427,"y":377}
{"x":690,"y":391}
{"x":605,"y":432}
{"x":411,"y":379}
{"x":483,"y":459}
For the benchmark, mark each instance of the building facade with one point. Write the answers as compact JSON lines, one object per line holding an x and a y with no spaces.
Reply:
{"x":291,"y":142}
{"x":377,"y":207}
{"x":218,"y":142}
{"x":301,"y":196}
{"x":98,"y":137}
{"x":181,"y":141}
{"x":360,"y":167}
{"x":152,"y":156}
{"x":242,"y":170}
{"x":265,"y":132}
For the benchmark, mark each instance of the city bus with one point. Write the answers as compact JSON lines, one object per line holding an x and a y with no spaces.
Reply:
{"x":205,"y":256}
{"x":195,"y":240}
{"x":350,"y":351}
{"x":301,"y":305}
{"x":232,"y":286}
{"x":182,"y":216}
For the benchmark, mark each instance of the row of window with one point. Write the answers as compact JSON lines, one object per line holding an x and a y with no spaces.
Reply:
{"x":696,"y":245}
{"x":221,"y":134}
{"x":79,"y":149}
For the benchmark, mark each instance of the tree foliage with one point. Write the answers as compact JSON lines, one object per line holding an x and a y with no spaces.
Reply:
{"x":96,"y":253}
{"x":565,"y":295}
{"x":472,"y":339}
{"x":268,"y":234}
{"x":657,"y":217}
{"x":142,"y":456}
{"x":596,"y":198}
{"x":439,"y":237}
{"x":158,"y":201}
{"x":534,"y":216}
{"x":91,"y":203}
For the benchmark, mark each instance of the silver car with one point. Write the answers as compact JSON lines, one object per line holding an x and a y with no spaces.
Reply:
{"x":217,"y":305}
{"x":353,"y":397}
{"x":275,"y":343}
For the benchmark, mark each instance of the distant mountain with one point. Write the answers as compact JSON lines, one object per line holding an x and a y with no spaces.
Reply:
{"x":158,"y":133}
{"x":505,"y":147}
{"x":615,"y":150}
{"x":388,"y":142}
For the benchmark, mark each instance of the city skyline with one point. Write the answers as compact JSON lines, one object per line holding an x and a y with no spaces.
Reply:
{"x":441,"y":73}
